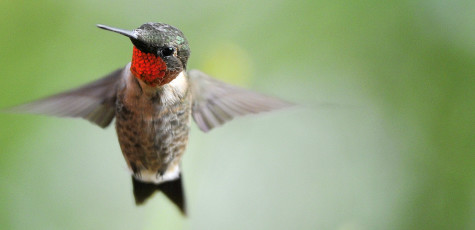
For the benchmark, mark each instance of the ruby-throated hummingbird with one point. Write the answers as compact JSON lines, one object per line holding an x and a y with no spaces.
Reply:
{"x":153,"y":99}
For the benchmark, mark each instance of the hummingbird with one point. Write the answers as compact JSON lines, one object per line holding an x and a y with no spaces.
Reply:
{"x":153,"y":99}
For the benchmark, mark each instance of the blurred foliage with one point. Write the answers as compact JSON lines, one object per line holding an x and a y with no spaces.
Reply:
{"x":384,"y":138}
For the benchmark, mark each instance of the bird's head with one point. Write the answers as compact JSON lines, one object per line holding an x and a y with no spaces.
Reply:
{"x":160,"y":52}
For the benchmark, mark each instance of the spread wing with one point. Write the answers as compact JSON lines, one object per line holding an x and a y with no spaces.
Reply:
{"x":94,"y":101}
{"x":215,"y":102}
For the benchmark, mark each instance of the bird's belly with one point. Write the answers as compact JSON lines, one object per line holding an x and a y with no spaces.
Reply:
{"x":153,"y":141}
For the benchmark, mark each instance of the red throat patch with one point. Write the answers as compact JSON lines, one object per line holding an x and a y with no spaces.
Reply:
{"x":148,"y":67}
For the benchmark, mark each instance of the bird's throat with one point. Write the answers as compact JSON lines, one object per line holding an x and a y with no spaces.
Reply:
{"x":149,"y":68}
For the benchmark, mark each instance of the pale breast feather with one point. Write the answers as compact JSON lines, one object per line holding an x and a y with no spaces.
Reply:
{"x":175,"y":90}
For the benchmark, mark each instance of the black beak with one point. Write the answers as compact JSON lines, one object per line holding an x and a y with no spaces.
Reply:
{"x":128,"y":33}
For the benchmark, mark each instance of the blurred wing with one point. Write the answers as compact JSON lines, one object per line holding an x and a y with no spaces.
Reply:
{"x":94,"y":102}
{"x":215,"y":102}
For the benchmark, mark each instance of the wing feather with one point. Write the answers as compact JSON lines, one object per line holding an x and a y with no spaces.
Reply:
{"x":215,"y":102}
{"x":94,"y":101}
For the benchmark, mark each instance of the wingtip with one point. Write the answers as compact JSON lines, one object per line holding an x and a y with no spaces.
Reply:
{"x":4,"y":110}
{"x":16,"y":109}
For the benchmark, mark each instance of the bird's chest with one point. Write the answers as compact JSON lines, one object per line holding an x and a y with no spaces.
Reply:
{"x":152,"y":132}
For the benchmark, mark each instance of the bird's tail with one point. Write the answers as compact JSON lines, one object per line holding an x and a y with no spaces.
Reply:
{"x":172,"y":189}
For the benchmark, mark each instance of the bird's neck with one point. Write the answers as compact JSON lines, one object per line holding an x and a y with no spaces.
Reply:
{"x":150,"y":68}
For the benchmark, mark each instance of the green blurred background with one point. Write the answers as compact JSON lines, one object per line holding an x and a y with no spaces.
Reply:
{"x":384,"y":138}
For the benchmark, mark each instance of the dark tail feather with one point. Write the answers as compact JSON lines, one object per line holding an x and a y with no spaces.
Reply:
{"x":172,"y":189}
{"x":142,"y":191}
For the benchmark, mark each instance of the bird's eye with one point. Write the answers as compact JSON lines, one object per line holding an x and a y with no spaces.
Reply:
{"x":167,"y":51}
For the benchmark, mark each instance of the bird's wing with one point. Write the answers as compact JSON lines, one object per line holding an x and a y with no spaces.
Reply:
{"x":215,"y":102}
{"x":94,"y":101}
